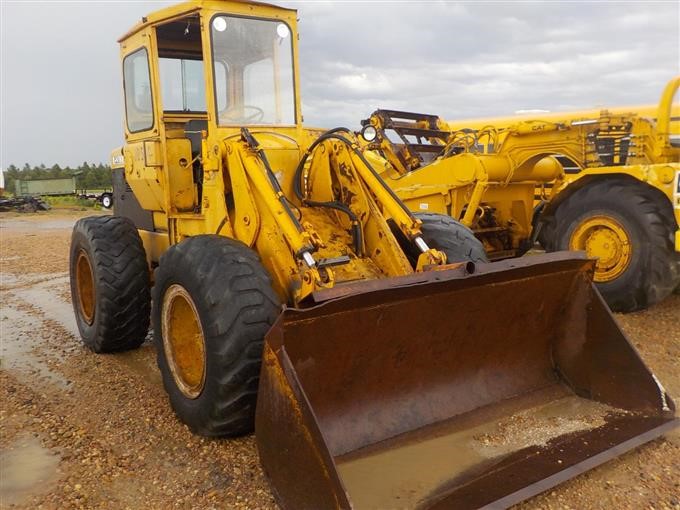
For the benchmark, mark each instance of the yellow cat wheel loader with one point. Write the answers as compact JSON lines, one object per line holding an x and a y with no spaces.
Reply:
{"x":291,"y":290}
{"x":617,"y":197}
{"x":622,"y":207}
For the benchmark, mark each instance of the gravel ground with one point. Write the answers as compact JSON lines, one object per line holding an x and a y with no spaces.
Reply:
{"x":79,"y":430}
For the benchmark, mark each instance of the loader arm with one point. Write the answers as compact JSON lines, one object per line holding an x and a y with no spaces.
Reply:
{"x":349,"y":174}
{"x":254,"y":186}
{"x":338,"y":231}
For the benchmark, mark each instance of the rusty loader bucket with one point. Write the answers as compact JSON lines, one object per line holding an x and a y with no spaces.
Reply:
{"x":444,"y":390}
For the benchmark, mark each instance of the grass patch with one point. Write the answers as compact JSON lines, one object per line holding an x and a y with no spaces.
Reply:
{"x":72,"y":202}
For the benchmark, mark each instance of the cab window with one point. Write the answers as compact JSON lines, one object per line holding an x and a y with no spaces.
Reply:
{"x":182,"y":85}
{"x":253,"y":71}
{"x":137,"y":85}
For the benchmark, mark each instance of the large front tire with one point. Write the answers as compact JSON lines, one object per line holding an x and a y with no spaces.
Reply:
{"x":110,"y":288}
{"x":213,"y":302}
{"x":624,"y":225}
{"x":443,"y":233}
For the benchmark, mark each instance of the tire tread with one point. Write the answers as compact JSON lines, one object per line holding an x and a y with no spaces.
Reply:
{"x":122,"y":282}
{"x":659,"y":274}
{"x":238,"y":307}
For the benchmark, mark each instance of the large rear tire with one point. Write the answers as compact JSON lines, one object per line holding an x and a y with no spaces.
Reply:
{"x":110,"y":288}
{"x":625,"y":226}
{"x":213,"y":302}
{"x":444,"y":233}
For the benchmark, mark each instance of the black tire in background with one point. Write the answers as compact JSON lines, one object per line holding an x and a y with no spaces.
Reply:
{"x":112,"y":310}
{"x":443,"y":233}
{"x":654,"y":267}
{"x":236,"y":305}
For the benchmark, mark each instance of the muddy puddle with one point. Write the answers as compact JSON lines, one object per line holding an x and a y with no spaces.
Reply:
{"x":22,"y":348}
{"x":26,"y":338}
{"x":405,"y":474}
{"x":27,"y":469}
{"x":27,"y":345}
{"x":46,"y":297}
{"x":142,"y":361}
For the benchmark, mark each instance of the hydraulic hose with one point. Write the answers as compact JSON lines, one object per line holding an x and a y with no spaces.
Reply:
{"x":332,"y":134}
{"x":357,"y":235}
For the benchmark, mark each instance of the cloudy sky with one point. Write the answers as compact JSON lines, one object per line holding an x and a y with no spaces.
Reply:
{"x":61,"y":94}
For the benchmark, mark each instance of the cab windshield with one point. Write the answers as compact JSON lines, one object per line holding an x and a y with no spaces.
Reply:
{"x":253,"y":71}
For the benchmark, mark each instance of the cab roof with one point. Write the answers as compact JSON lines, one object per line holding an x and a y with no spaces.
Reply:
{"x":178,"y":10}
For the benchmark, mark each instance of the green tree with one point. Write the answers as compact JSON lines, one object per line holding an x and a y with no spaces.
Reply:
{"x":88,"y":176}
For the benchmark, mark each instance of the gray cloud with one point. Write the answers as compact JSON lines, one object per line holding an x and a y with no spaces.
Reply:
{"x":61,"y":93}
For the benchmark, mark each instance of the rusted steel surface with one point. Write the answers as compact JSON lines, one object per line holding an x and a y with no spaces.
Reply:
{"x":472,"y":387}
{"x":450,"y":272}
{"x":304,"y":475}
{"x":609,"y":435}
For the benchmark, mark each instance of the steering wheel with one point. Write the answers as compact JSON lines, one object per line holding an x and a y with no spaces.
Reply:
{"x":256,"y":116}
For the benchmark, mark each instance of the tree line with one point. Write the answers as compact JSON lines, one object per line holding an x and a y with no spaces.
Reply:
{"x":88,"y":175}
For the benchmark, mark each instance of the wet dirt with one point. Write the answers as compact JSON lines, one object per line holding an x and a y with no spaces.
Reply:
{"x":538,"y":425}
{"x":18,"y":349}
{"x":105,"y":423}
{"x":28,"y":469}
{"x":46,"y":295}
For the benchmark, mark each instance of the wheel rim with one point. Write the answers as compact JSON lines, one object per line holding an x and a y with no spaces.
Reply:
{"x":85,"y":287}
{"x":183,"y":341}
{"x":606,"y":239}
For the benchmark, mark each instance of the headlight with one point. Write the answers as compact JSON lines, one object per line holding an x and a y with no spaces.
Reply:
{"x":220,"y":24}
{"x":282,"y":30}
{"x":369,"y":133}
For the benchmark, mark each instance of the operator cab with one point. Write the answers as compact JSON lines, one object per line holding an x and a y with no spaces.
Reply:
{"x":171,"y":93}
{"x":252,"y":71}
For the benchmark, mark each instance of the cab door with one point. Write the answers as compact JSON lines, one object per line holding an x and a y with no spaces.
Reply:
{"x":143,"y":151}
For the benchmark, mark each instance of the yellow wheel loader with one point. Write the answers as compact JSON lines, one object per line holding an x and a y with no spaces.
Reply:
{"x":292,"y":290}
{"x":619,"y":201}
